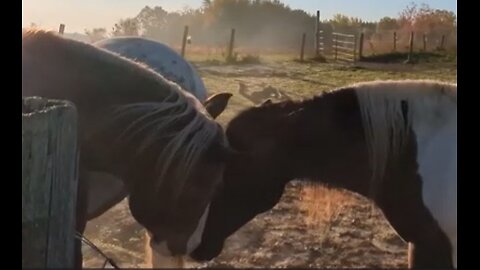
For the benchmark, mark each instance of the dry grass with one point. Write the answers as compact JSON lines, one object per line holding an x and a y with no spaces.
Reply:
{"x":323,"y":204}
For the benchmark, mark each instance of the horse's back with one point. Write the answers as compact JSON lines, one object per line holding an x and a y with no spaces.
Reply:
{"x":60,"y":68}
{"x":160,"y":58}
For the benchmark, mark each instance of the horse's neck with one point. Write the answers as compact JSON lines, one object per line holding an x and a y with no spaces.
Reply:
{"x":104,"y":154}
{"x":323,"y":152}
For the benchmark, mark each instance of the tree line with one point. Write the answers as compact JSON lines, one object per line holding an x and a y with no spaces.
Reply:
{"x":266,"y":24}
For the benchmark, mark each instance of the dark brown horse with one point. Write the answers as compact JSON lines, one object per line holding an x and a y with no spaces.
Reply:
{"x":392,"y":141}
{"x":136,"y":126}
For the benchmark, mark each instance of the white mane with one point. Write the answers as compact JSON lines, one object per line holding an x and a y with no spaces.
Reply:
{"x":159,"y":121}
{"x":430,"y":106}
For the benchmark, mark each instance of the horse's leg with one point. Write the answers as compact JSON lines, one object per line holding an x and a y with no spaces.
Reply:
{"x":81,"y":217}
{"x":428,"y":246}
{"x":411,"y":257}
{"x":402,"y":204}
{"x":148,"y":252}
{"x":434,"y":252}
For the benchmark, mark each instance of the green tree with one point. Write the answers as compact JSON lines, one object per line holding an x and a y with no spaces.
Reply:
{"x":152,"y":21}
{"x":127,"y":27}
{"x":387,"y":24}
{"x":345,"y":23}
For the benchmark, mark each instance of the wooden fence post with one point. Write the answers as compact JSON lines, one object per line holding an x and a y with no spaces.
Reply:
{"x":336,"y":45}
{"x":424,"y":42}
{"x":230,"y":46}
{"x":61,"y":29}
{"x":394,"y":41}
{"x":302,"y":48}
{"x":410,"y":53}
{"x":360,"y":47}
{"x":355,"y":48}
{"x":184,"y":40}
{"x":317,"y":34}
{"x":49,"y":183}
{"x":442,"y":43}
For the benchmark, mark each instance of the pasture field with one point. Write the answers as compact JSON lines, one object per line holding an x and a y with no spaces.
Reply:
{"x":344,"y":231}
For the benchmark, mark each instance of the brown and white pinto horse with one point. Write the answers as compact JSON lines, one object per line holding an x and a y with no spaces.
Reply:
{"x":394,"y":142}
{"x":136,"y":126}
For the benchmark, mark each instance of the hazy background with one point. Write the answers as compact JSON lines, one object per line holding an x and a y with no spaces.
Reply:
{"x":81,"y":14}
{"x":260,"y":24}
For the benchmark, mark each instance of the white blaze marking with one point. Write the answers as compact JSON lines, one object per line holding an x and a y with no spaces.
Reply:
{"x":196,"y":237}
{"x":437,"y":159}
{"x":158,"y":256}
{"x":161,"y":257}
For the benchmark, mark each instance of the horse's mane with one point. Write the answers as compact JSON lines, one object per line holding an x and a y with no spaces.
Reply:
{"x":185,"y":134}
{"x":175,"y":118}
{"x":430,"y":105}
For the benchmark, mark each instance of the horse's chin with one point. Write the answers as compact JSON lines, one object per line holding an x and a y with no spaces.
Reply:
{"x":205,"y":253}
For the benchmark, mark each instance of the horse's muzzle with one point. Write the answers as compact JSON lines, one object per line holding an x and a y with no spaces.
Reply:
{"x":206,"y":252}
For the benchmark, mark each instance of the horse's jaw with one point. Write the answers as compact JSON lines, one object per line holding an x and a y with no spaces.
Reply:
{"x":159,"y":257}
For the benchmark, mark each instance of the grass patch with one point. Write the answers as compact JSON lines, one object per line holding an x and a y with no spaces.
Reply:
{"x":303,"y":80}
{"x":315,"y":59}
{"x":243,"y":60}
{"x":322,"y":204}
{"x":417,"y":57}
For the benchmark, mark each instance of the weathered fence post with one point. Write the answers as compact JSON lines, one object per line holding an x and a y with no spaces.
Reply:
{"x":336,"y":45}
{"x":442,"y":43}
{"x":410,"y":53}
{"x":49,"y":183}
{"x":360,"y":47}
{"x":302,"y":48}
{"x":394,"y":41}
{"x":355,"y":49}
{"x":61,"y":29}
{"x":230,"y":46}
{"x":184,"y":40}
{"x":317,"y":34}
{"x":424,"y":42}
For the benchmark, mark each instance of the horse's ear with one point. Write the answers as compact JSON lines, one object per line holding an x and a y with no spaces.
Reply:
{"x":266,"y":102}
{"x":217,"y":103}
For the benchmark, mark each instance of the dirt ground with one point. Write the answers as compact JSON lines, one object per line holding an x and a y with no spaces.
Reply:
{"x":347,"y":232}
{"x":353,"y":235}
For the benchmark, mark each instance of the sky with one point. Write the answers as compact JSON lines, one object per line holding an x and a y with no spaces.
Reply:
{"x":79,"y":15}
